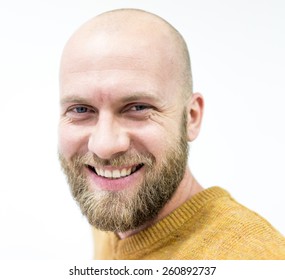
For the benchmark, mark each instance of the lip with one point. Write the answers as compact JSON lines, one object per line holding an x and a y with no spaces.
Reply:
{"x":118,"y":184}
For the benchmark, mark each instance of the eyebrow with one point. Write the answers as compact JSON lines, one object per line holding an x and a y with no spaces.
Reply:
{"x":139,"y":95}
{"x":73,"y":99}
{"x":129,"y":98}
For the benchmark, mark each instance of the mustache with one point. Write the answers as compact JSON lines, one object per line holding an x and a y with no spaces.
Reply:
{"x":126,"y":159}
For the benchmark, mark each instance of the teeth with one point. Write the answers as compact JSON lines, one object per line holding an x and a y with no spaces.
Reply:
{"x":129,"y":171}
{"x":97,"y":170}
{"x":108,"y":174}
{"x":123,"y":172}
{"x":115,"y":173}
{"x":100,"y":172}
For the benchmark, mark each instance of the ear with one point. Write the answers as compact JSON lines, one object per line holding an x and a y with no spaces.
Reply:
{"x":195,"y":109}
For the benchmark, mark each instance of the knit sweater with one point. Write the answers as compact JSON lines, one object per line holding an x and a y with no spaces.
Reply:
{"x":211,"y":225}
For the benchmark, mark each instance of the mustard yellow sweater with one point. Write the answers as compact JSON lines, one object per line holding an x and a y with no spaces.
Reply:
{"x":211,"y":225}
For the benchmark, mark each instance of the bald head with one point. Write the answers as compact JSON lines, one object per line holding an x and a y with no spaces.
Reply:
{"x":133,"y":33}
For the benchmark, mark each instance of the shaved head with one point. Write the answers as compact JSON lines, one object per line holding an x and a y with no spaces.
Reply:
{"x":126,"y":31}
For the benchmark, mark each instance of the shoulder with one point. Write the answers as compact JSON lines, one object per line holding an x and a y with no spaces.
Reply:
{"x":225,"y":229}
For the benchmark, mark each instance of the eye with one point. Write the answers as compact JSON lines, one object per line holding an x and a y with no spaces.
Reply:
{"x":139,"y":107}
{"x":80,"y":112}
{"x":80,"y":109}
{"x":138,"y":111}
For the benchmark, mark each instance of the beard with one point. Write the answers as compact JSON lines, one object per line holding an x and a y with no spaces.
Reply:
{"x":132,"y":207}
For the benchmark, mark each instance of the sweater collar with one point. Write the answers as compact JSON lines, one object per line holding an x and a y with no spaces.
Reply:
{"x":166,"y":227}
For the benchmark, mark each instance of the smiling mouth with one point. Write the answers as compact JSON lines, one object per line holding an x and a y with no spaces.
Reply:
{"x":115,"y":173}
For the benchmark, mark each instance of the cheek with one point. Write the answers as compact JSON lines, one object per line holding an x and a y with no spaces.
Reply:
{"x":71,"y":141}
{"x":154,"y":139}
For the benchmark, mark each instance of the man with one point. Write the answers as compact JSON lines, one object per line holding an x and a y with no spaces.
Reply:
{"x":127,"y":114}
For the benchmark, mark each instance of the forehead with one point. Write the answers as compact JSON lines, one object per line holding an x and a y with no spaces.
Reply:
{"x":113,"y":86}
{"x":108,"y":64}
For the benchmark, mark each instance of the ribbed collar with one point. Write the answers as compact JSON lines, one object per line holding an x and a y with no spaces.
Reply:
{"x":165,"y":227}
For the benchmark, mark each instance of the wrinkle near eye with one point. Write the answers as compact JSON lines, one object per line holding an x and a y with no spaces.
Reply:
{"x":65,"y":120}
{"x":157,"y":117}
{"x":165,"y":118}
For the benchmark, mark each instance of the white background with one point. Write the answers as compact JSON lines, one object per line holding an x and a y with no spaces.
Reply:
{"x":237,"y":51}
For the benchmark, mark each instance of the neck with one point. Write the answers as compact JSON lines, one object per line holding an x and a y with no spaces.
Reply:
{"x":186,"y":189}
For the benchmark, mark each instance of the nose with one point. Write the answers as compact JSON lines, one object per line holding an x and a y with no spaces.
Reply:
{"x":108,"y":138}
